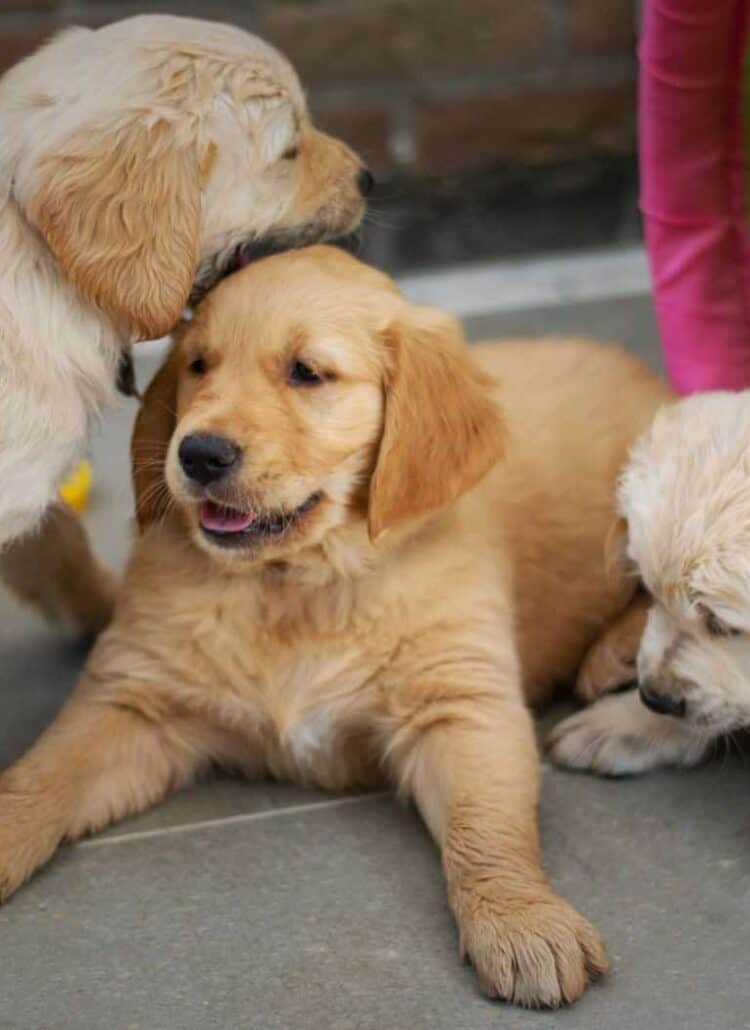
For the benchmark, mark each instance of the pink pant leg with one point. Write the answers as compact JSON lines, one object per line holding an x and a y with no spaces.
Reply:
{"x":693,"y":188}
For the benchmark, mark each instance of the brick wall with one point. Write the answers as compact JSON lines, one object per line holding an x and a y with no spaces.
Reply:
{"x":426,"y":88}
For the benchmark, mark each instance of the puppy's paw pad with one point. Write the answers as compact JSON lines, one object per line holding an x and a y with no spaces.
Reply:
{"x":538,"y":954}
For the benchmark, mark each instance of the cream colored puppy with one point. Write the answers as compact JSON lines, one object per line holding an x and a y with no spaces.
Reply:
{"x":685,"y":500}
{"x":359,"y":555}
{"x":139,"y":163}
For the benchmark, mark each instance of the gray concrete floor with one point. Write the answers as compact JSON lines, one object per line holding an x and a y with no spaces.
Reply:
{"x":267,"y":907}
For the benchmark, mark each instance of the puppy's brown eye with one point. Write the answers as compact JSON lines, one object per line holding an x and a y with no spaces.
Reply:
{"x":301,"y":374}
{"x":197,"y":367}
{"x":717,"y":628}
{"x":290,"y":153}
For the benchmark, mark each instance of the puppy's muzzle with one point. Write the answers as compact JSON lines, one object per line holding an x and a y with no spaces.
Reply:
{"x":661,"y":702}
{"x":206,"y":458}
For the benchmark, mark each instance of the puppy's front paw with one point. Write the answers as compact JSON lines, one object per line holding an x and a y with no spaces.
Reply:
{"x":27,"y":839}
{"x":536,"y":951}
{"x":619,"y":736}
{"x":12,"y":876}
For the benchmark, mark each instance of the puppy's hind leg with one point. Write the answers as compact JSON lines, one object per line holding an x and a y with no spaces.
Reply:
{"x":55,"y":571}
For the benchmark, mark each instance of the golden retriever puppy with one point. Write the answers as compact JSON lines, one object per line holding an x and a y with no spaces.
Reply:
{"x":684,"y":498}
{"x":357,"y":552}
{"x":138,"y":164}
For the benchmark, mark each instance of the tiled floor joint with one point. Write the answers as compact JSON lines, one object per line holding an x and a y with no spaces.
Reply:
{"x":230,"y":820}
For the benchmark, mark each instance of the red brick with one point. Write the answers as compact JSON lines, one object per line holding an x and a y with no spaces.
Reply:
{"x":601,"y":26}
{"x":337,"y":41}
{"x":15,"y":45}
{"x":530,"y":127}
{"x":27,"y":5}
{"x":366,"y":131}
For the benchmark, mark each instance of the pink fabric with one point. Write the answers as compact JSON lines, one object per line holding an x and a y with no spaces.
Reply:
{"x":693,"y":188}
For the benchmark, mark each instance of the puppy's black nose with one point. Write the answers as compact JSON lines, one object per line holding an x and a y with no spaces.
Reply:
{"x":664,"y":704}
{"x":206,"y":458}
{"x":365,"y":181}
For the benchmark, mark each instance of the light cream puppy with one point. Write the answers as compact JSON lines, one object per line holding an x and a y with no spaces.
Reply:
{"x":138,"y":164}
{"x":358,"y":554}
{"x":684,"y":497}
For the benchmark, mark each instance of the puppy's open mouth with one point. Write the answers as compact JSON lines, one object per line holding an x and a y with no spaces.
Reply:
{"x":231,"y":527}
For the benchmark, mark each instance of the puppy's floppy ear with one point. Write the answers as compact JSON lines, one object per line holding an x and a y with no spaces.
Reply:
{"x":120,"y":210}
{"x":152,"y":432}
{"x":442,"y":430}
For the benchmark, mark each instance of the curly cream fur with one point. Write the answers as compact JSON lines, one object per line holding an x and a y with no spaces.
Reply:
{"x":685,"y":499}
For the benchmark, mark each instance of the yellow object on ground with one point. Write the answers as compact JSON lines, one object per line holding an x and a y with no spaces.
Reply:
{"x":76,"y":489}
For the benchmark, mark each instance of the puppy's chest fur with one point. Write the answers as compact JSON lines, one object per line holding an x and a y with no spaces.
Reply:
{"x":308,"y":681}
{"x":307,"y":686}
{"x":297,"y":677}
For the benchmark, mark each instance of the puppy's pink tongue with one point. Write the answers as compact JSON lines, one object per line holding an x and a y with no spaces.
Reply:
{"x":217,"y":519}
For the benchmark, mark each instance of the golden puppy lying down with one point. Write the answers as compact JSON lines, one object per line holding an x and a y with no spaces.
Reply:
{"x":357,"y":552}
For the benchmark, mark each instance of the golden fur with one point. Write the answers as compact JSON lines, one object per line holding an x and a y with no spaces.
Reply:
{"x":91,"y":207}
{"x":138,"y":163}
{"x":453,"y":562}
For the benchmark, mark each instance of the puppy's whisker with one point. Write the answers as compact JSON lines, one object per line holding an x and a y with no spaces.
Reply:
{"x":153,"y":445}
{"x":724,"y":744}
{"x":166,"y":407}
{"x":149,"y":463}
{"x":376,"y":218}
{"x":165,"y":510}
{"x":154,"y":457}
{"x":734,"y":745}
{"x":156,"y":492}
